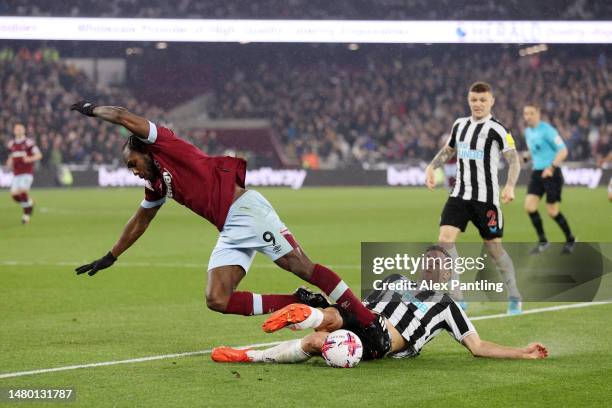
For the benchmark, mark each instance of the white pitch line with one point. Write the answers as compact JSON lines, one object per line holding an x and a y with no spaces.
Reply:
{"x":131,"y":360}
{"x":195,"y":353}
{"x":542,"y":310}
{"x":145,"y":264}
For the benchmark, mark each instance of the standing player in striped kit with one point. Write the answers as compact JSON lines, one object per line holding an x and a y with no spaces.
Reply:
{"x":414,"y":318}
{"x":548,"y":151}
{"x":478,"y":140}
{"x":23,"y":154}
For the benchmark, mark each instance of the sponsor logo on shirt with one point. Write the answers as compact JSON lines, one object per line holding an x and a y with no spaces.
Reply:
{"x":409,"y":297}
{"x":167,"y":177}
{"x":464,"y":152}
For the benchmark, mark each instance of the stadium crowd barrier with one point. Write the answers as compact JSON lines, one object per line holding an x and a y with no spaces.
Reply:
{"x":586,"y":176}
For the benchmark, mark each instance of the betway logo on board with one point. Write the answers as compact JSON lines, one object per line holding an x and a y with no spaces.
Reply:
{"x":582,"y":176}
{"x":267,"y":176}
{"x":412,"y":176}
{"x":259,"y":177}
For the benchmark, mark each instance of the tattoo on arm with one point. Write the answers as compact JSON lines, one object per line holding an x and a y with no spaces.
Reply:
{"x":442,"y":157}
{"x":109,"y":113}
{"x":514,"y":166}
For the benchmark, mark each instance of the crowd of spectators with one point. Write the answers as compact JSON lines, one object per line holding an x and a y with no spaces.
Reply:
{"x":391,"y":109}
{"x":37,"y":90}
{"x":317,"y":9}
{"x":327,"y":114}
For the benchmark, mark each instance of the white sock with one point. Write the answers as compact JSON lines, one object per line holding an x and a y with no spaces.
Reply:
{"x":286,"y":352}
{"x":506,"y":269}
{"x":312,"y":322}
{"x":257,"y":304}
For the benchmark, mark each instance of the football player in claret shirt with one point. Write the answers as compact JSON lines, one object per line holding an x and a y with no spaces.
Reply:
{"x":23,"y":153}
{"x":213,"y":188}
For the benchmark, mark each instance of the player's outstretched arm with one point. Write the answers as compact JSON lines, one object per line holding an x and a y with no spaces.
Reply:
{"x":135,"y":227}
{"x":442,"y":157}
{"x":115,"y":114}
{"x":482,"y":348}
{"x":514,"y":169}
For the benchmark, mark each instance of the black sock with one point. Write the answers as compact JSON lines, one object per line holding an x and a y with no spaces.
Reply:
{"x":560,"y":219}
{"x":536,"y":220}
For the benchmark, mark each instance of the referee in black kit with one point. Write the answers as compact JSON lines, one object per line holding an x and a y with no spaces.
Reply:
{"x":478,"y":141}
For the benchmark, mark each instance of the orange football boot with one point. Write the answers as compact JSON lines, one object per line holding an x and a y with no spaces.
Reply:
{"x":290,"y":314}
{"x":230,"y":355}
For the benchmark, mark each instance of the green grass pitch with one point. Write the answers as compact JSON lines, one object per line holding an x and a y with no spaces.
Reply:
{"x":152,"y":303}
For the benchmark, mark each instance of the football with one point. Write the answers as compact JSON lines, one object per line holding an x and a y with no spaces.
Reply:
{"x":342,"y":349}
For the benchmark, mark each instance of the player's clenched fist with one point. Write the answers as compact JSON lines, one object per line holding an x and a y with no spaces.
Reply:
{"x":507,"y":194}
{"x":536,"y":351}
{"x":86,"y":108}
{"x":97,"y":265}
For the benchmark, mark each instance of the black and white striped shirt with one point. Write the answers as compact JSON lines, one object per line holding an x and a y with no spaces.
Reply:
{"x":419,"y":316}
{"x":478,"y":145}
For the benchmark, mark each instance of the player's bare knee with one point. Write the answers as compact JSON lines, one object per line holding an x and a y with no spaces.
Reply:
{"x":552,"y":211}
{"x":495,"y":248}
{"x":216,"y":303}
{"x":332,"y":320}
{"x":531,"y":203}
{"x":445,"y":238}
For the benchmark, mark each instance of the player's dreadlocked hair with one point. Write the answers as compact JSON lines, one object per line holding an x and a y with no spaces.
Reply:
{"x":135,"y":144}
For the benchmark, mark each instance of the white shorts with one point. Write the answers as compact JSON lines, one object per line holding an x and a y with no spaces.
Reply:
{"x":251,"y":226}
{"x":21,"y":182}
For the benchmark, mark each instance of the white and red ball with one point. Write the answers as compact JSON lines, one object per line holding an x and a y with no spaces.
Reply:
{"x":342,"y":349}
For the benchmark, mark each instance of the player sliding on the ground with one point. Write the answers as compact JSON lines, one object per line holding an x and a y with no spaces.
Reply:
{"x":213,"y":188}
{"x":478,"y":141}
{"x":413,"y":319}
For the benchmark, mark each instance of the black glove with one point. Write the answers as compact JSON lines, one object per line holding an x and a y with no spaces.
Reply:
{"x":97,"y":265}
{"x":86,"y":108}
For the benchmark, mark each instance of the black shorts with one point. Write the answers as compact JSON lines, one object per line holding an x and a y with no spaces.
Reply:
{"x":351,"y":323}
{"x":487,"y":217}
{"x":552,"y":186}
